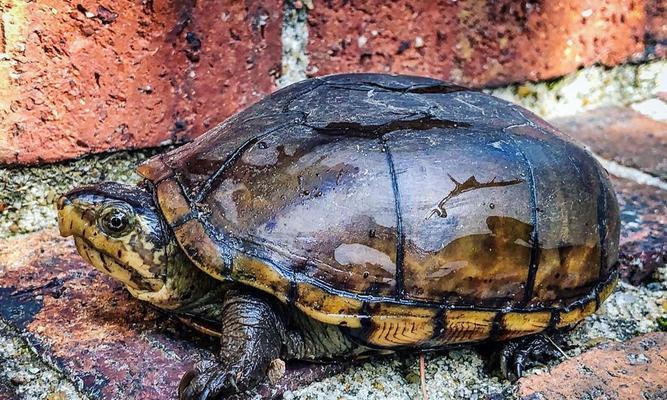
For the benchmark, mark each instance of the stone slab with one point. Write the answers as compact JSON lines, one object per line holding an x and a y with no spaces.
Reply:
{"x":623,"y":135}
{"x":643,"y":245}
{"x":635,"y":369}
{"x":7,"y":392}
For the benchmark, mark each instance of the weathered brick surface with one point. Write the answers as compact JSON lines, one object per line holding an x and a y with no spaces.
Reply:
{"x":79,"y":77}
{"x":477,"y":42}
{"x":622,"y":135}
{"x":656,"y":18}
{"x":109,"y":344}
{"x":644,"y":229}
{"x":635,"y":369}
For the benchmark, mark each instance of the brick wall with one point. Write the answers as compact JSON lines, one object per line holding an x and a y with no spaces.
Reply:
{"x":88,"y":76}
{"x":478,"y":43}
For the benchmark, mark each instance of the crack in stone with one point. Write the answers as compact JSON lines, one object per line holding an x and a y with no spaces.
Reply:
{"x":294,"y":40}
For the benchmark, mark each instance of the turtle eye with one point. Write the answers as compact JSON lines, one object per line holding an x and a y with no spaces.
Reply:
{"x":116,"y":221}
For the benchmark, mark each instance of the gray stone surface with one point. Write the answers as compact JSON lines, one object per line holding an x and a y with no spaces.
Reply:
{"x":25,"y":374}
{"x":28,"y":195}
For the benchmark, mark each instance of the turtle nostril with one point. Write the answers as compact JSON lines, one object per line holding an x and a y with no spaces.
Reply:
{"x":63,"y":201}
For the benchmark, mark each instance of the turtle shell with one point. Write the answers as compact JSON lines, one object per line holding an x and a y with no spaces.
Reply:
{"x":412,"y":211}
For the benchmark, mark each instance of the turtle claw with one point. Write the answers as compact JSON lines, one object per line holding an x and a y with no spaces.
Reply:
{"x":185,"y":382}
{"x":208,"y":382}
{"x":519,"y":355}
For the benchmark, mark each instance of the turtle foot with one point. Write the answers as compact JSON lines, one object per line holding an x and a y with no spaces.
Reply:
{"x":207,"y":381}
{"x":521,"y":354}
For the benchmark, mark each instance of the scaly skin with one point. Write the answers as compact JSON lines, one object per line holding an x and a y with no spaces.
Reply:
{"x":252,"y":337}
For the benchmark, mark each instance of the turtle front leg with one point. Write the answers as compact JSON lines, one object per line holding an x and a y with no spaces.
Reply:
{"x":252,"y":337}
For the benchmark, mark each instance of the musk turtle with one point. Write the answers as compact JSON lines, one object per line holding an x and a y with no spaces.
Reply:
{"x":358,"y":213}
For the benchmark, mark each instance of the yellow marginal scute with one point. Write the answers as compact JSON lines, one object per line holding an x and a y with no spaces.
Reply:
{"x":575,"y":315}
{"x":171,"y":200}
{"x":568,"y":318}
{"x":394,"y":325}
{"x":200,"y":248}
{"x":463,"y":326}
{"x":328,"y":308}
{"x":260,"y":275}
{"x":517,"y":324}
{"x":391,"y":332}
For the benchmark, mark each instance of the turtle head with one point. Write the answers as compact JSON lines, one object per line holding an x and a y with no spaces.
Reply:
{"x":121,"y":232}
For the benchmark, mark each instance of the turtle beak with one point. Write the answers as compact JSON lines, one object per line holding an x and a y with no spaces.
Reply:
{"x":65,"y":220}
{"x":75,"y":211}
{"x":63,"y":201}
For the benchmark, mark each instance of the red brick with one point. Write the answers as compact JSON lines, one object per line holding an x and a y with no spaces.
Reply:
{"x":475,"y":43}
{"x":622,"y":135}
{"x":76,"y":82}
{"x":643,"y":245}
{"x":109,"y":344}
{"x":656,"y":18}
{"x":635,"y":369}
{"x":656,"y":25}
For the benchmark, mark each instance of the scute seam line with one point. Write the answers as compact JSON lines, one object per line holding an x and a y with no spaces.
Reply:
{"x":208,"y":184}
{"x":400,"y":235}
{"x":602,"y":226}
{"x":534,"y":238}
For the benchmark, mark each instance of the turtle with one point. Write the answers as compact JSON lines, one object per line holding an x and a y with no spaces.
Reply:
{"x":358,"y":214}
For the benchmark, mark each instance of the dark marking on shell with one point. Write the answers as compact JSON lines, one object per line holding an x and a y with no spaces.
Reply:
{"x":293,"y":293}
{"x":356,"y":129}
{"x":439,"y":324}
{"x":467,"y":186}
{"x":185,"y":218}
{"x":497,"y":326}
{"x":554,"y":320}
